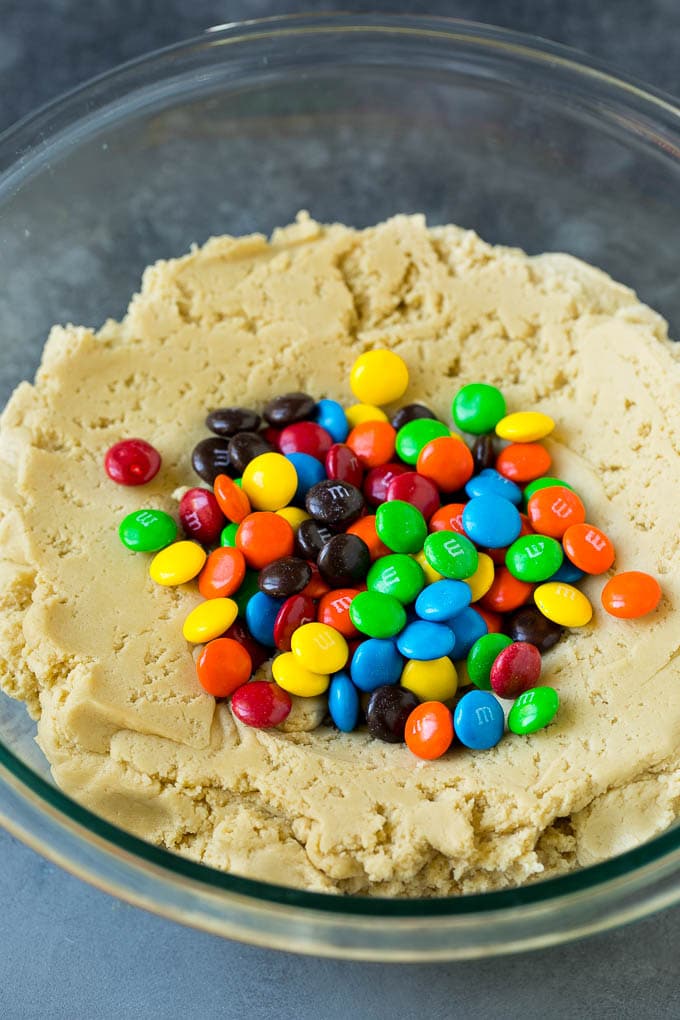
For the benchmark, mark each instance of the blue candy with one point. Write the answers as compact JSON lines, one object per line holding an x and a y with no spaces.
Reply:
{"x":376,"y":662}
{"x":309,"y":471}
{"x":478,"y":720}
{"x":331,"y":417}
{"x":424,"y":640}
{"x":443,"y":599}
{"x":261,"y":612}
{"x":343,"y":702}
{"x":491,"y":521}
{"x":490,"y":482}
{"x":567,"y":573}
{"x":467,"y":627}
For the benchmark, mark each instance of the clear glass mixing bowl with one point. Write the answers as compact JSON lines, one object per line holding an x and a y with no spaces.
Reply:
{"x":354,"y":119}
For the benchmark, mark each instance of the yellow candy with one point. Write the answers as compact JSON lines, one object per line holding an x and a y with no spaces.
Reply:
{"x":319,"y":648}
{"x":482,"y":579}
{"x":177,"y":563}
{"x":379,"y":377}
{"x":563,"y":604}
{"x":525,"y":426}
{"x":269,"y":481}
{"x":290,"y":674}
{"x":435,"y":680}
{"x":431,"y":575}
{"x":357,"y":414}
{"x":294,"y":515}
{"x":209,"y":620}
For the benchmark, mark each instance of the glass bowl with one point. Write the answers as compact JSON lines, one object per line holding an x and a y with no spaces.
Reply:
{"x":353,"y":118}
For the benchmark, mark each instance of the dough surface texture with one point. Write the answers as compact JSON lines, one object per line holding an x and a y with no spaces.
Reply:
{"x":95,"y":648}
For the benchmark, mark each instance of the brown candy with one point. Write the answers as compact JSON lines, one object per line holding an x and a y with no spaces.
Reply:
{"x":530,"y":625}
{"x":335,"y":503}
{"x":227,"y":421}
{"x":285,"y":577}
{"x":210,"y":458}
{"x":289,"y":408}
{"x":310,"y":539}
{"x":244,"y":447}
{"x":387,"y":711}
{"x":410,"y":412}
{"x":344,"y":560}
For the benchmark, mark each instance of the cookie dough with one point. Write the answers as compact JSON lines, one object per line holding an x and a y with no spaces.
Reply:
{"x":96,"y":651}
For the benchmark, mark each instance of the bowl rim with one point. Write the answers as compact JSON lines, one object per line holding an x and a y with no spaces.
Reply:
{"x":19,"y":145}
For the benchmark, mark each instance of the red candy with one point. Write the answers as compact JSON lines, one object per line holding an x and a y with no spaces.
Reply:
{"x":417,"y":490}
{"x":378,"y":481}
{"x":132,"y":462}
{"x":305,"y":437}
{"x":257,"y":652}
{"x":295,"y":611}
{"x":334,"y":610}
{"x":261,"y":704}
{"x":515,"y":669}
{"x":343,"y":465}
{"x":200,"y":515}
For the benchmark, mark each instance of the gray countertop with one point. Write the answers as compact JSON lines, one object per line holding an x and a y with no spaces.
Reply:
{"x":71,"y":951}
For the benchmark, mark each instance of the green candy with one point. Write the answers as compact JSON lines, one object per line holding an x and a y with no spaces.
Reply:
{"x":534,"y":557}
{"x":397,"y":575}
{"x":478,"y":407}
{"x":453,"y":555}
{"x":147,"y":530}
{"x":376,"y":614}
{"x":401,"y":526}
{"x":544,"y":483}
{"x":228,"y":536}
{"x":413,"y":436}
{"x":482,"y":656}
{"x":249,"y":587}
{"x":533,"y":710}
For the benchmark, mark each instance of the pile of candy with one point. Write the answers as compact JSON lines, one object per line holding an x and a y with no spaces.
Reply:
{"x":372,"y":555}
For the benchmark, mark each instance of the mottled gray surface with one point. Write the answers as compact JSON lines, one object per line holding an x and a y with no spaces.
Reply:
{"x":70,"y":951}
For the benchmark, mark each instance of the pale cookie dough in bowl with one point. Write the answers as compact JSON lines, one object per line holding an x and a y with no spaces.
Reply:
{"x":95,"y":648}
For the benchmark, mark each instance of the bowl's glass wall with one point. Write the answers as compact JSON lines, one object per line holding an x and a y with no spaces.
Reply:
{"x":237,"y":133}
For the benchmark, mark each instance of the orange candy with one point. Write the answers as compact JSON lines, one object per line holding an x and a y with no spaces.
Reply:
{"x":523,"y":462}
{"x":222,"y":574}
{"x":334,"y":610}
{"x":506,"y":593}
{"x":429,"y":730}
{"x":492,"y":620}
{"x":631,"y":594}
{"x":372,"y":442}
{"x":263,"y":537}
{"x":447,"y":462}
{"x":551,"y":511}
{"x":588,"y":548}
{"x":232,"y":500}
{"x":364,"y":528}
{"x":223,"y":666}
{"x":448,"y":518}
{"x":316,"y":586}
